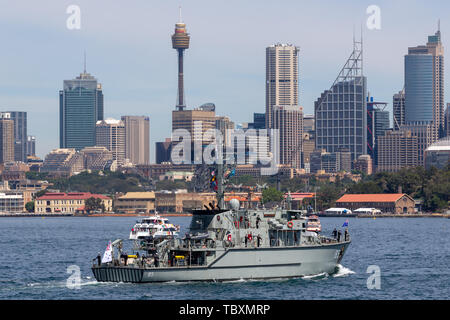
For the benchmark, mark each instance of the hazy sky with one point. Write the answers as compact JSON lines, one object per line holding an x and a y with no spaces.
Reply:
{"x":129,"y":51}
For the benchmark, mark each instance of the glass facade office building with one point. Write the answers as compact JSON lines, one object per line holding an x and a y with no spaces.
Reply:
{"x":424,"y":86}
{"x":341,"y":117}
{"x":377,"y":124}
{"x":81,"y":106}
{"x":419,"y":88}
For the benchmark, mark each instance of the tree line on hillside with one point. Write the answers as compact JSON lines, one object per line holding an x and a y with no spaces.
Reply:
{"x":431,"y":186}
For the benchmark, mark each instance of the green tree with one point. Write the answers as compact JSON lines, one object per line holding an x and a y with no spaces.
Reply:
{"x":40,"y":193}
{"x":327,"y":196}
{"x":93,"y":204}
{"x":271,"y":195}
{"x":30,"y":206}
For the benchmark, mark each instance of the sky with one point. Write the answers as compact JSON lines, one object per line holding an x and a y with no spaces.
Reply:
{"x":128,"y":49}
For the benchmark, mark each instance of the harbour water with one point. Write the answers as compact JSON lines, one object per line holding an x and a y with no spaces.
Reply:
{"x":39,"y":255}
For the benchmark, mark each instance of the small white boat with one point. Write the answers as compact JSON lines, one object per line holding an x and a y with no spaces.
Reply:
{"x":147,"y":227}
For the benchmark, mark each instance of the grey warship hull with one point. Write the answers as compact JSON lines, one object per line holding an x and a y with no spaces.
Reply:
{"x":236,"y":264}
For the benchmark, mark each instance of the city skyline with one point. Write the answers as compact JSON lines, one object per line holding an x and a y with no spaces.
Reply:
{"x":151,"y":90}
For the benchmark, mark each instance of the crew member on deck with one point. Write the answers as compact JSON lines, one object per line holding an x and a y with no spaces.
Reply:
{"x":334,"y":233}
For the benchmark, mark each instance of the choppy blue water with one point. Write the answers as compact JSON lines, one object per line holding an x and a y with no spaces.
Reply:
{"x":413,"y":256}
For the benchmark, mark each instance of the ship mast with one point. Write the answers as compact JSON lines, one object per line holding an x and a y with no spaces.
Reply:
{"x":220,"y":188}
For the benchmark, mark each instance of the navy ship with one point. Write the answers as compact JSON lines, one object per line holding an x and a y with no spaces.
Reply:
{"x":228,"y":244}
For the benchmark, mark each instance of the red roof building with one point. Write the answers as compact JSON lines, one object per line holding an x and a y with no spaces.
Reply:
{"x":386,"y":202}
{"x":68,"y":202}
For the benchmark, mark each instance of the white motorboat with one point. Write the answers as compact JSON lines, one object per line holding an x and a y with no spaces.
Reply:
{"x":148,"y":226}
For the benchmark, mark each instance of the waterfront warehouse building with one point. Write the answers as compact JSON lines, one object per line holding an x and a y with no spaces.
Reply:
{"x":386,"y":203}
{"x":135,"y":202}
{"x":438,"y":154}
{"x":179,"y":202}
{"x":80,"y":107}
{"x":71,"y":202}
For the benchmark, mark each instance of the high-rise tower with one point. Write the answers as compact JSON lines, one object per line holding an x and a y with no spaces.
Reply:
{"x":180,"y":42}
{"x":281,"y":78}
{"x":110,"y":133}
{"x":340,"y":112}
{"x":377,"y":124}
{"x":6,"y":137}
{"x":424,"y":85}
{"x":20,"y":134}
{"x":398,"y":109}
{"x":137,"y":136}
{"x":80,"y":107}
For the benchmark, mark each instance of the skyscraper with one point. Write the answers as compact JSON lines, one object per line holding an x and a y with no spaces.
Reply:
{"x":226,"y":127}
{"x":398,"y":109}
{"x":340,"y":112}
{"x":31,"y":146}
{"x":20,"y":135}
{"x":447,"y":120}
{"x":137,"y":139}
{"x":424,"y":85}
{"x":377,"y":124}
{"x":196,"y":121}
{"x":289,"y":121}
{"x":162,"y":151}
{"x":281,"y":78}
{"x":259,"y":120}
{"x":397,"y":150}
{"x":6,"y":137}
{"x":180,"y":42}
{"x":110,"y":133}
{"x":80,"y":107}
{"x":424,"y":133}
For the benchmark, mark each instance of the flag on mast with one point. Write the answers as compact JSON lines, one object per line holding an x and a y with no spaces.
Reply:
{"x":345,"y":223}
{"x":107,"y":256}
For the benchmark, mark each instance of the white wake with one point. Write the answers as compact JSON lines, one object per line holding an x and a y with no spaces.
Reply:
{"x":342,"y":271}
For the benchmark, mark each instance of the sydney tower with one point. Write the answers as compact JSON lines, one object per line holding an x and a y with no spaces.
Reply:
{"x":180,"y":41}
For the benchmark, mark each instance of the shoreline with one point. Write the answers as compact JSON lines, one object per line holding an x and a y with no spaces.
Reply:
{"x":43,"y":215}
{"x":136,"y":215}
{"x":96,"y":215}
{"x":422,"y":215}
